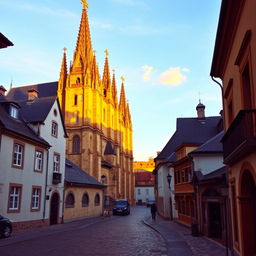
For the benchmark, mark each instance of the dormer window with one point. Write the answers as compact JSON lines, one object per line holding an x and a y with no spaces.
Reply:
{"x":13,"y":112}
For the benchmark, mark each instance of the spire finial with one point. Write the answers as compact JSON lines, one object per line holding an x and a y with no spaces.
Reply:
{"x":84,"y":3}
{"x":106,"y":52}
{"x":64,"y":49}
{"x":122,"y":78}
{"x":94,"y":52}
{"x":113,"y":70}
{"x":199,"y":98}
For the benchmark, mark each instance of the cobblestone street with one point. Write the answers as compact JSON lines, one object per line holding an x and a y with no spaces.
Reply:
{"x":117,"y":235}
{"x":114,"y":236}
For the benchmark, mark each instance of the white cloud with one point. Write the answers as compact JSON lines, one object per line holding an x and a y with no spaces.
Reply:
{"x":185,"y":69}
{"x":172,"y":77}
{"x":147,"y":73}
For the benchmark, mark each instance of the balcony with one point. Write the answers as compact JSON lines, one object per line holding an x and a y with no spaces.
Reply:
{"x":56,"y":178}
{"x":240,"y":140}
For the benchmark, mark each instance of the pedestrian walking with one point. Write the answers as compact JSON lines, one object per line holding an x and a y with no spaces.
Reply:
{"x":153,"y":210}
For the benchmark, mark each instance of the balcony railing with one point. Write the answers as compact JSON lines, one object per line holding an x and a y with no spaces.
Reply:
{"x":240,"y":140}
{"x":56,"y":178}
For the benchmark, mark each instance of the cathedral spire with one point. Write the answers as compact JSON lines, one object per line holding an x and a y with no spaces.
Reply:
{"x":122,"y":102}
{"x":63,"y":71}
{"x":114,"y":90}
{"x":106,"y":75}
{"x":95,"y":78}
{"x":83,"y":54}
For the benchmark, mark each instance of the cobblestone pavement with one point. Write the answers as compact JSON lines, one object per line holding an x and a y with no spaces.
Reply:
{"x":181,"y":243}
{"x":113,"y":236}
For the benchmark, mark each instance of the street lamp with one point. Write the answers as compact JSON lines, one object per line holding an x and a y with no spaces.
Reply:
{"x":169,"y":178}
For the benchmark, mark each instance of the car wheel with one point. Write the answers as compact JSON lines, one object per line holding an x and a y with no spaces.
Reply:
{"x":7,"y":231}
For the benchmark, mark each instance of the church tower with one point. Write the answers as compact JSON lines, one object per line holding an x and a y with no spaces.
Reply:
{"x":99,"y":127}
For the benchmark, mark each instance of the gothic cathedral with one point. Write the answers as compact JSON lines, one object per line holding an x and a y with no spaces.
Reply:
{"x":99,"y":127}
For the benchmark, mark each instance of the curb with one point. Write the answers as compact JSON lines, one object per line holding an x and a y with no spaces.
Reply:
{"x":159,"y":232}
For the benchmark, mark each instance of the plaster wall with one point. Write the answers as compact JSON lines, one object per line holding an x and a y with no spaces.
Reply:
{"x":79,"y":211}
{"x":25,"y":176}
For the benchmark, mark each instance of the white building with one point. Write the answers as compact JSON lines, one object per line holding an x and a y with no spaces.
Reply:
{"x":40,"y":109}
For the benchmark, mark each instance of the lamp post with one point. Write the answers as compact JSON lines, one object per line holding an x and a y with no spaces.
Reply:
{"x":169,"y":179}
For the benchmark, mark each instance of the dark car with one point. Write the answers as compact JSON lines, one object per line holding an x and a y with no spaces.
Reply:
{"x":5,"y":227}
{"x":122,"y":207}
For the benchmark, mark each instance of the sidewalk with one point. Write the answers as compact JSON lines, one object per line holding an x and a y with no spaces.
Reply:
{"x":180,"y":242}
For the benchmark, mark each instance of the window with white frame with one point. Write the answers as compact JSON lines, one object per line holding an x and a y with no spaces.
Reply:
{"x":39,"y":161}
{"x":56,"y":162}
{"x":54,"y":129}
{"x":13,"y":112}
{"x":36,"y":196}
{"x":147,"y":191}
{"x":138,"y":191}
{"x":14,"y":198}
{"x":18,"y":151}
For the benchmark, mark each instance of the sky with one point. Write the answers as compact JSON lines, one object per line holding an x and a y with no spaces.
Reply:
{"x":163,"y":49}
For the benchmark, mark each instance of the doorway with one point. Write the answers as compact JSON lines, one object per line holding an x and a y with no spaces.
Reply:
{"x":214,"y":220}
{"x":54,"y":209}
{"x":248,"y":211}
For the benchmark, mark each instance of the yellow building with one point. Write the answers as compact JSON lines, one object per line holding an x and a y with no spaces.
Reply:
{"x":144,"y":165}
{"x":98,"y":125}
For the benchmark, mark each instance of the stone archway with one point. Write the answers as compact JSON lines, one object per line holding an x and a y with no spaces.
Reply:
{"x":54,"y":208}
{"x":248,"y":213}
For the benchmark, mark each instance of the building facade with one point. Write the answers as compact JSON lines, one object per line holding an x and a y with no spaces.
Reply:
{"x":83,"y":194}
{"x":144,"y":187}
{"x":234,"y":62}
{"x":99,"y":126}
{"x":44,"y":117}
{"x":174,"y":166}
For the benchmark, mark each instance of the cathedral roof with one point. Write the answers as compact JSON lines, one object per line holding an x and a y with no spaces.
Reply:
{"x":75,"y":176}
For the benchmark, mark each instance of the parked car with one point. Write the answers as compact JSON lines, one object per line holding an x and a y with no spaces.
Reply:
{"x":150,"y":202}
{"x":5,"y":227}
{"x":121,"y":206}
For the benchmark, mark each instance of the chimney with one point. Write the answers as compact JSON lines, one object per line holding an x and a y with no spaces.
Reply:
{"x":200,"y":110}
{"x":32,"y":94}
{"x":2,"y":90}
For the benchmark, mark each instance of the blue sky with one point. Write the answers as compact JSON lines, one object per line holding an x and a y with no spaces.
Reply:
{"x":163,"y":49}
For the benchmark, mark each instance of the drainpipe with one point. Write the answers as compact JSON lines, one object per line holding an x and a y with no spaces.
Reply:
{"x":230,"y":239}
{"x":222,"y":99}
{"x":46,"y":182}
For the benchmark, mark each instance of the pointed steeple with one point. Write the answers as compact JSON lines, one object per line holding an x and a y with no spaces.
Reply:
{"x":114,"y":90}
{"x":63,"y":71}
{"x":84,"y":53}
{"x":122,"y":102}
{"x":95,"y":78}
{"x":106,"y":80}
{"x":129,"y":113}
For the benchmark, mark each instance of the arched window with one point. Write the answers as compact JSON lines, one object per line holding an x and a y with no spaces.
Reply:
{"x":70,"y":200}
{"x":78,"y":80}
{"x":75,"y":100}
{"x":76,"y":145}
{"x":85,"y":200}
{"x":97,"y":200}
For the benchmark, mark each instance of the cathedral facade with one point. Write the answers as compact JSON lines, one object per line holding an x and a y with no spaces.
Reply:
{"x":98,"y":122}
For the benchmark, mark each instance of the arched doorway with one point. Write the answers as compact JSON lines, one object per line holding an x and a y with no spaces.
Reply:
{"x":54,"y":209}
{"x":248,"y":212}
